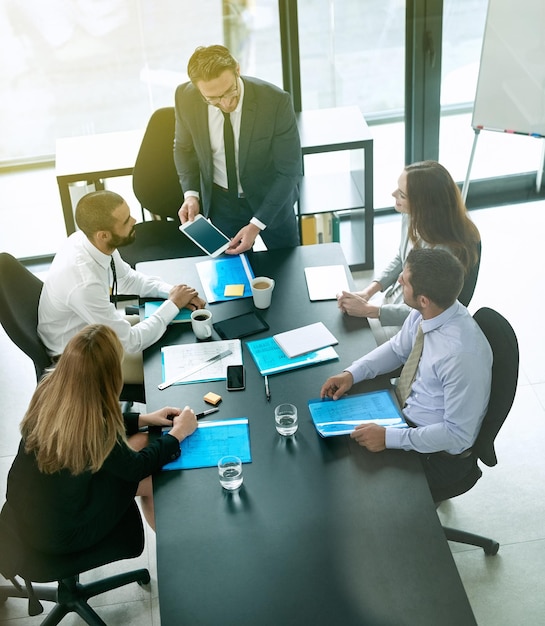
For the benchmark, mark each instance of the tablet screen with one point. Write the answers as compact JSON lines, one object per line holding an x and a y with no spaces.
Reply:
{"x":206,"y":235}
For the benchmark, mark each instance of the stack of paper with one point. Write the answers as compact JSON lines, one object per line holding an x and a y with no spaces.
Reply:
{"x":305,"y":339}
{"x":324,"y":282}
{"x":192,"y":362}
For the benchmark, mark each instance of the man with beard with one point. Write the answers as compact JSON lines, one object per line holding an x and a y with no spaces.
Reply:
{"x":88,"y":269}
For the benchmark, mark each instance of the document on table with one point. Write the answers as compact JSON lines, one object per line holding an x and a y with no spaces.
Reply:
{"x":151,"y":307}
{"x":340,"y":417}
{"x":324,"y":282}
{"x":270,"y":359}
{"x":187,"y":357}
{"x":222,"y":278}
{"x":211,"y":441}
{"x":305,"y":339}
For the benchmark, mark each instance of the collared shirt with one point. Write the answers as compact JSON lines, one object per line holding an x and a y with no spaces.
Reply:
{"x":76,"y":293}
{"x":450,"y":393}
{"x":215,"y":128}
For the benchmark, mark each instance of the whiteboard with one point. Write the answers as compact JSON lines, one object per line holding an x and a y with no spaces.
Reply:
{"x":511,"y":86}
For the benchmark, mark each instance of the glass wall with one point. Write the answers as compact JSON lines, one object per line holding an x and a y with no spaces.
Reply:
{"x":78,"y":67}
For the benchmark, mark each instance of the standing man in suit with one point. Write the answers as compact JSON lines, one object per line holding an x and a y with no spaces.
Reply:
{"x":259,"y":195}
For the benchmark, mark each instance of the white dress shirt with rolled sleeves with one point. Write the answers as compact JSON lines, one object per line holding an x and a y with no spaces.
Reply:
{"x":76,"y":293}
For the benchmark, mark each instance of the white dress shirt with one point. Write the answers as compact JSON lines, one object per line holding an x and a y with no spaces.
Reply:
{"x":76,"y":293}
{"x":450,"y":393}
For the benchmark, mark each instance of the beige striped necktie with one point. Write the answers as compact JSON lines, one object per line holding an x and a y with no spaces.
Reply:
{"x":408,"y":373}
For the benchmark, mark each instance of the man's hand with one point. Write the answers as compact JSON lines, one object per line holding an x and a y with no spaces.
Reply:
{"x":182,"y":295}
{"x":189,"y":209}
{"x":336,"y":386}
{"x":243,"y":240}
{"x":370,"y":436}
{"x":196,"y":303}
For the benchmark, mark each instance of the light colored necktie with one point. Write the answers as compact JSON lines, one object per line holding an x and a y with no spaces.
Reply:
{"x":404,"y":384}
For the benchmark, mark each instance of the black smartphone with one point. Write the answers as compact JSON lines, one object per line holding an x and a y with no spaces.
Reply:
{"x":235,"y":377}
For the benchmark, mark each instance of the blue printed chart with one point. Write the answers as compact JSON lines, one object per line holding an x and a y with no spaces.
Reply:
{"x":211,"y":441}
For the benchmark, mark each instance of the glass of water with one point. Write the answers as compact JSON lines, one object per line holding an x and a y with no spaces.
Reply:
{"x":285,"y":417}
{"x":230,"y":471}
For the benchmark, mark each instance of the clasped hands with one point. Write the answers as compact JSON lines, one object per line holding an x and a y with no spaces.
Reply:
{"x":370,"y":436}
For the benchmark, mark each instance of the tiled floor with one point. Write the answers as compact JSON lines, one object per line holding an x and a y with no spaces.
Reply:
{"x":508,"y":503}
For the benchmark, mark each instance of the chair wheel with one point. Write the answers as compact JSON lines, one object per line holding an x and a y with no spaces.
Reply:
{"x":145,"y":580}
{"x":492,"y":548}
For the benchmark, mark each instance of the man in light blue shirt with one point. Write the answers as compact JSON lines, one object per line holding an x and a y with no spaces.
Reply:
{"x":450,"y":392}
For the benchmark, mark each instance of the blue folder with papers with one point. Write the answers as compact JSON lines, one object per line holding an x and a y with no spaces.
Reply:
{"x":270,"y":358}
{"x":217,"y":275}
{"x":212,"y":440}
{"x":340,"y":417}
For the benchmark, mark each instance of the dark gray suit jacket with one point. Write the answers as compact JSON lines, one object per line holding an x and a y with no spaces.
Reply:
{"x":270,"y":165}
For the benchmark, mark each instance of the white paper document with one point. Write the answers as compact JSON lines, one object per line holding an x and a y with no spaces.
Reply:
{"x":191,"y":358}
{"x":326,"y":281}
{"x":305,"y":339}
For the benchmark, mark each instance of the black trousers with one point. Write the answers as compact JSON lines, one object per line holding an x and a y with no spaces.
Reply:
{"x":443,"y":471}
{"x":230,"y":219}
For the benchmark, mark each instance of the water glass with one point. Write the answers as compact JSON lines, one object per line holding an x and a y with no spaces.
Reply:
{"x":285,"y":417}
{"x":230,"y":472}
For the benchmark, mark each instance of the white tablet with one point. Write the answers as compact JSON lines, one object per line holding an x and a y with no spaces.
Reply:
{"x":206,"y":236}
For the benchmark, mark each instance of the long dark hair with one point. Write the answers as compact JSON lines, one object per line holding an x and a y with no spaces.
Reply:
{"x":438,"y":214}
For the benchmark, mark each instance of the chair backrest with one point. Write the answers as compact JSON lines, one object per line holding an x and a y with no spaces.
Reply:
{"x":19,"y":297}
{"x":505,"y":367}
{"x":155,"y":180}
{"x":470,"y":281}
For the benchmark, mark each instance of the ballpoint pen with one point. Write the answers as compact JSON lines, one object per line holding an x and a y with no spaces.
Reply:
{"x":267,"y":390}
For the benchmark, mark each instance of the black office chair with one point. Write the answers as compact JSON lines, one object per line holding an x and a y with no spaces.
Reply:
{"x":19,"y":296}
{"x":470,"y":281}
{"x":157,"y":187}
{"x":503,"y":341}
{"x":18,"y":560}
{"x":20,"y":293}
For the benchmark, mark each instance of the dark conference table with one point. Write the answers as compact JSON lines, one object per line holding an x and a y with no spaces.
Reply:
{"x":322,"y":531}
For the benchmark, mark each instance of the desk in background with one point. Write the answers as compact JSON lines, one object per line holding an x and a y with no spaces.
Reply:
{"x":91,"y":159}
{"x":322,"y":532}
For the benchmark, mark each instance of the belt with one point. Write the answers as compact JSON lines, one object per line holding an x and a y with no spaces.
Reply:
{"x":224,"y":190}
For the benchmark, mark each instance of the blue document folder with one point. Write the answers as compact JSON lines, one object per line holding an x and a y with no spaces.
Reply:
{"x":217,"y":274}
{"x":270,"y":358}
{"x":151,"y":307}
{"x":340,"y":417}
{"x":212,"y":440}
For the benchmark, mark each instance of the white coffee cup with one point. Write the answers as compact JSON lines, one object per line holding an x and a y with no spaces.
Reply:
{"x":262,"y":288}
{"x":201,"y":323}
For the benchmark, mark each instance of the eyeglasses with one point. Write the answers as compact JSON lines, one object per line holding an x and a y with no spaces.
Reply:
{"x":214,"y":100}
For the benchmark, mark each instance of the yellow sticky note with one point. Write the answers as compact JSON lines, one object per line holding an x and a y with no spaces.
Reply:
{"x":234,"y":290}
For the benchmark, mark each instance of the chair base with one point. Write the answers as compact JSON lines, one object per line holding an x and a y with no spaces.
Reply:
{"x":71,"y":596}
{"x":490,"y":546}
